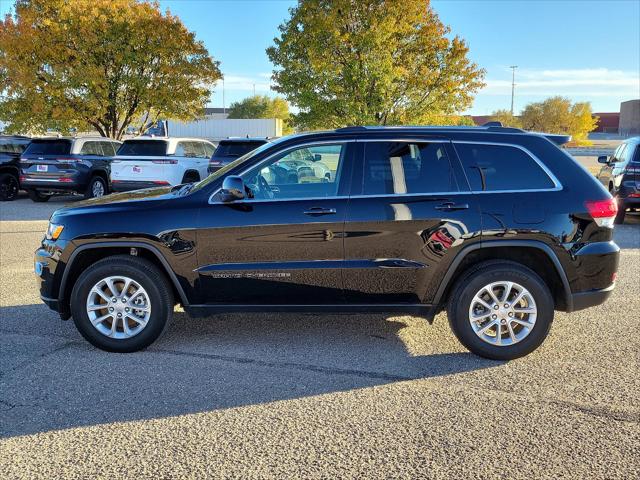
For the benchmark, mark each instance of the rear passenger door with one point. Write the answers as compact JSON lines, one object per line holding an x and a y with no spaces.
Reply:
{"x":410,"y":213}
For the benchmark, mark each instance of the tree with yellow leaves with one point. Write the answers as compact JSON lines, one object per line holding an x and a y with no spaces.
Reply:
{"x":559,"y":115}
{"x":99,"y":65}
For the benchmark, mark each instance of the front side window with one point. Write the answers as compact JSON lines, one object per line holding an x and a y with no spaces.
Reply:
{"x":407,"y":168}
{"x":501,"y":167}
{"x":307,"y":172}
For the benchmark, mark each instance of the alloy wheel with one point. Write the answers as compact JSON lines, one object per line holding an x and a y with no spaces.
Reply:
{"x":118,"y":307}
{"x":503,"y":313}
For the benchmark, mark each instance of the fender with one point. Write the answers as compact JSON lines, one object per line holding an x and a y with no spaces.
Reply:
{"x":141,"y":245}
{"x":507,"y":243}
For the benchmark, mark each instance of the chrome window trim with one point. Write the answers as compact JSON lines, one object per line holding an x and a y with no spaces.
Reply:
{"x":557,"y":185}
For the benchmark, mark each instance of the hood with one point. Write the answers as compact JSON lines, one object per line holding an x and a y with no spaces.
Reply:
{"x":119,"y":200}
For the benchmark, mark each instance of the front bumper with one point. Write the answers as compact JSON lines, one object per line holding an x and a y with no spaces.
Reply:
{"x":46,"y":262}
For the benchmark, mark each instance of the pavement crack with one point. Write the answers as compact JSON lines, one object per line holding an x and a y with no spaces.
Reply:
{"x":38,"y":357}
{"x":596,"y":411}
{"x":297,"y":366}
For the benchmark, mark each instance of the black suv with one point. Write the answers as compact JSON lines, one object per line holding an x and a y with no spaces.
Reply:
{"x":620,"y":174}
{"x":10,"y":149}
{"x":495,"y":225}
{"x":67,"y":165}
{"x":231,"y":148}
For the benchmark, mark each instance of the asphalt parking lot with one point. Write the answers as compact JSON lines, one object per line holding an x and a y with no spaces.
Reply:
{"x":292,"y":395}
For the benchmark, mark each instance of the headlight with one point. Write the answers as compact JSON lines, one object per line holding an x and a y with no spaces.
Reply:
{"x":53,"y":231}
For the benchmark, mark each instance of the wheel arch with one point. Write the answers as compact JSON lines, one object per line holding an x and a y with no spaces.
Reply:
{"x":531,"y":253}
{"x":191,"y":172}
{"x":85,"y":255}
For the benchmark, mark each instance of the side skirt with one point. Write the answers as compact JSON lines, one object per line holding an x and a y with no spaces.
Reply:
{"x":418,"y":309}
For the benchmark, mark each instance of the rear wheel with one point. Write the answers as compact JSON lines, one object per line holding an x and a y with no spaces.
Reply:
{"x":122,"y":303}
{"x":501,"y":310}
{"x":97,"y":188}
{"x":37,"y":196}
{"x":9,"y":187}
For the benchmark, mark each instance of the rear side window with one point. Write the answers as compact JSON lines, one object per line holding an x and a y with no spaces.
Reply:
{"x":91,"y":148}
{"x":109,"y":148}
{"x":401,"y":167}
{"x":143,"y":148}
{"x":501,"y":167}
{"x":49,"y":147}
{"x":235,"y":149}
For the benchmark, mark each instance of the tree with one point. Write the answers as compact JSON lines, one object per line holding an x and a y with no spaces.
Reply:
{"x":354,"y":62}
{"x":506,"y":118}
{"x":99,"y":65}
{"x":262,"y":106}
{"x":559,"y":115}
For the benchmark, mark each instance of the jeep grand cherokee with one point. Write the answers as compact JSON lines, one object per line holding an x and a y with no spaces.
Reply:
{"x":494,"y":225}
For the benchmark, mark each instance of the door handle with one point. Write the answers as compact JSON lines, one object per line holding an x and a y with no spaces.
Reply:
{"x":317,"y":211}
{"x":450,"y":206}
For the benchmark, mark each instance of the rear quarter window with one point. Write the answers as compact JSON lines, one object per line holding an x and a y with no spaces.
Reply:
{"x":49,"y":147}
{"x":235,"y":149}
{"x":143,"y":148}
{"x":501,"y":167}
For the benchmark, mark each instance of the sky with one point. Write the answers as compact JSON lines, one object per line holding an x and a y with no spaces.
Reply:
{"x":587,"y":50}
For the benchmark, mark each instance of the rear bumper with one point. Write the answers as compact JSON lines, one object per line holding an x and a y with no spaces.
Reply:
{"x":50,"y":185}
{"x":591,"y":298}
{"x":126,"y":186}
{"x":629,"y":202}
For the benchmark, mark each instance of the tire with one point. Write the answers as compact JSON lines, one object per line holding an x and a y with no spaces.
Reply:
{"x":97,"y":188}
{"x":472,"y":282}
{"x":9,"y":187}
{"x":143,"y":273}
{"x":190,"y":177}
{"x":37,"y":196}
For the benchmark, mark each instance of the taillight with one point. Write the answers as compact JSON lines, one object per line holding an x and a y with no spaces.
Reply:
{"x":165,"y":162}
{"x":160,"y":182}
{"x":603,"y":211}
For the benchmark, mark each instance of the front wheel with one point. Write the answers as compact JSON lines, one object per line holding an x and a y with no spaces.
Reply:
{"x":501,"y":310}
{"x":122,"y":303}
{"x":8,"y":187}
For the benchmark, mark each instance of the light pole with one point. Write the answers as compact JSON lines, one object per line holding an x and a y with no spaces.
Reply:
{"x":513,"y":84}
{"x":224,"y":110}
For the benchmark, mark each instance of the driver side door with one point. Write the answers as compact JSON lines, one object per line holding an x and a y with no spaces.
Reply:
{"x":284,"y":245}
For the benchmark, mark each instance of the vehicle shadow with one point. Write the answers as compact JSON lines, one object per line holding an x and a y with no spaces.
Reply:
{"x":52,"y":379}
{"x":628,"y":234}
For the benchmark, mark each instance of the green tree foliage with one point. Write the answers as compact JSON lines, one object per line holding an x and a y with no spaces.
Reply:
{"x":506,"y":118}
{"x":354,"y":62}
{"x":559,"y":115}
{"x":99,"y":65}
{"x":262,"y":106}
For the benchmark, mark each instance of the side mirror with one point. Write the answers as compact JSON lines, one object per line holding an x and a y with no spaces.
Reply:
{"x":317,"y":157}
{"x":232,"y":189}
{"x":603,"y":159}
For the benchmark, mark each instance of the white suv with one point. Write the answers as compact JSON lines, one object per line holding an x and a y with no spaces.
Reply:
{"x":149,"y":161}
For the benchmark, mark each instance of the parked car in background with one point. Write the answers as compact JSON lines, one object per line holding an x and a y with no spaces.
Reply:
{"x":492,"y":224}
{"x":11,"y":147}
{"x":145,"y":162}
{"x":620,"y":174}
{"x":231,"y":148}
{"x":64,"y":165}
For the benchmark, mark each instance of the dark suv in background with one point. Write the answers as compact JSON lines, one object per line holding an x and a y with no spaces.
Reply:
{"x":620,"y":174}
{"x":494,"y":225}
{"x":231,"y":148}
{"x":67,"y":165}
{"x":11,"y":147}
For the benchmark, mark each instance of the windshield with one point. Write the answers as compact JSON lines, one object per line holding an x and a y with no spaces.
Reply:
{"x":143,"y":148}
{"x":49,"y":147}
{"x":235,"y":149}
{"x":223,"y":171}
